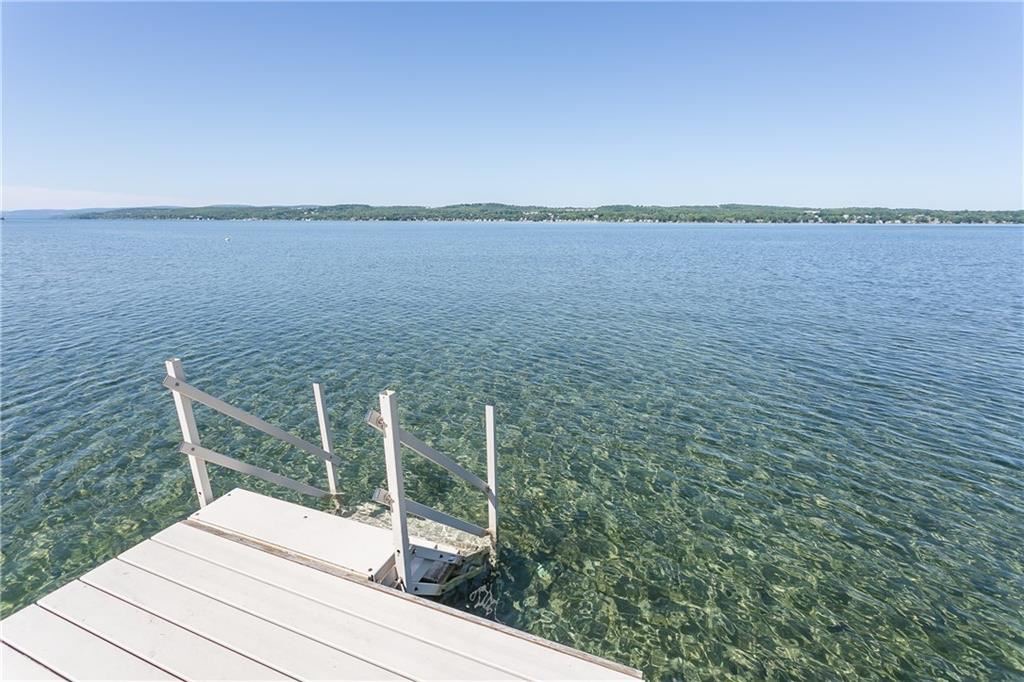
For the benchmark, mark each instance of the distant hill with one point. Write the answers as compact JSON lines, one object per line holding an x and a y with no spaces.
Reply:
{"x":48,"y":213}
{"x":721,"y":213}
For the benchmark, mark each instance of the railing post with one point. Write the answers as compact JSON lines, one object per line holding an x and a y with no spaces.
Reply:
{"x":190,"y":434}
{"x":492,"y":477}
{"x":396,"y":486}
{"x":325,"y":436}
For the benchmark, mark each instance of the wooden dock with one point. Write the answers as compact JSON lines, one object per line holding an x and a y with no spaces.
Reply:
{"x":251,"y":587}
{"x":254,"y":588}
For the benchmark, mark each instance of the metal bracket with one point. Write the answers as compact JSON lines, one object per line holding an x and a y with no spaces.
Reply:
{"x":374,"y":419}
{"x":381,"y":496}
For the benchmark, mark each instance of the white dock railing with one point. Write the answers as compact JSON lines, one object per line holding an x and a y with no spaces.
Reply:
{"x":198,"y":456}
{"x":386,"y":421}
{"x":412,"y":564}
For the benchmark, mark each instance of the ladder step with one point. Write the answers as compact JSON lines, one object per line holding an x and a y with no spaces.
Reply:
{"x":438,"y":572}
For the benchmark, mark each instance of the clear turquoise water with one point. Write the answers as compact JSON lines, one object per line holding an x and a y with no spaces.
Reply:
{"x":752,"y":452}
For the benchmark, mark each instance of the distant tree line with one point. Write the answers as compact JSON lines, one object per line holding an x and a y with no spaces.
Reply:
{"x":723,"y":213}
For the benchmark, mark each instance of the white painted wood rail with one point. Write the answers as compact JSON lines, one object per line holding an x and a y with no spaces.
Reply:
{"x":207,"y":455}
{"x":492,"y":478}
{"x":425,"y":512}
{"x":407,"y":570}
{"x":386,"y":422}
{"x":185,"y":394}
{"x":325,"y":435}
{"x":410,"y":441}
{"x":396,"y":486}
{"x":180,"y":387}
{"x":189,"y":432}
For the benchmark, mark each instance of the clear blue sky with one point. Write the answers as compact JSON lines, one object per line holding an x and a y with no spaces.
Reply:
{"x":907,"y":104}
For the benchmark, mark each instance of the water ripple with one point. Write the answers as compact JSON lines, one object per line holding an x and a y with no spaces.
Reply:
{"x":771,"y":452}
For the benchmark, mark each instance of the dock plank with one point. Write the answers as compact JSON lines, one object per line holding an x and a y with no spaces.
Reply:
{"x":283,"y":650}
{"x":71,"y":651}
{"x":15,"y":665}
{"x":256,"y":588}
{"x":390,"y":649}
{"x":446,"y":628}
{"x":155,"y":640}
{"x":300,"y":530}
{"x":305,"y":531}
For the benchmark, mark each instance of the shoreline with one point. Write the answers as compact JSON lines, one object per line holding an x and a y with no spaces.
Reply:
{"x":580,"y":221}
{"x":712,"y":214}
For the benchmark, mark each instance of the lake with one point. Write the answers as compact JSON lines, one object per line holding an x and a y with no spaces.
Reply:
{"x":758,"y":451}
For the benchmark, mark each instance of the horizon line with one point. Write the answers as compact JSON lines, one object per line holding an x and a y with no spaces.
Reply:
{"x":501,"y":203}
